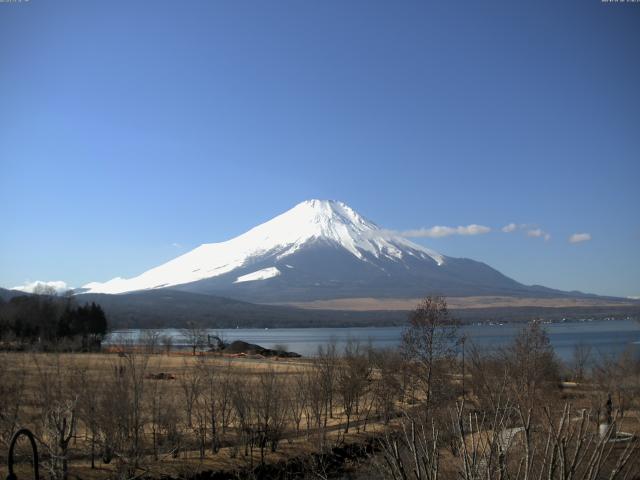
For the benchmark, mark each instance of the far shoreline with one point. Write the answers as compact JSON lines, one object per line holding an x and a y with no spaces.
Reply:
{"x":383,"y":319}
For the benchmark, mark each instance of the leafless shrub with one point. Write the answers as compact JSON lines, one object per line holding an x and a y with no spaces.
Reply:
{"x":297,"y":399}
{"x":12,"y":388}
{"x":190,"y":380}
{"x":580,"y":360}
{"x":58,"y":405}
{"x":195,"y":336}
{"x":411,"y":452}
{"x":387,"y":388}
{"x":327,"y":366}
{"x":122,"y":415}
{"x":510,"y":444}
{"x":150,"y":341}
{"x":532,"y":366}
{"x":167,"y":343}
{"x":353,"y":379}
{"x":430,"y":343}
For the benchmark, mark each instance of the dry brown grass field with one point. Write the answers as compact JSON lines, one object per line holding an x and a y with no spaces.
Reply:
{"x":175,"y":366}
{"x":367,"y":304}
{"x":173,"y":378}
{"x":141,"y":412}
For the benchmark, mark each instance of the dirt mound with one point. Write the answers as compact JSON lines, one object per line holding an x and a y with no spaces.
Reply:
{"x":239,"y":346}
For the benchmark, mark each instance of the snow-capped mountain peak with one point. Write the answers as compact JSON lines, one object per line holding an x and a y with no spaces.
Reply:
{"x":309,"y":222}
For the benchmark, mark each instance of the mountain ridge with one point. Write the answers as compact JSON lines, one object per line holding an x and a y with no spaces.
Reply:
{"x":307,"y":223}
{"x":321,"y":250}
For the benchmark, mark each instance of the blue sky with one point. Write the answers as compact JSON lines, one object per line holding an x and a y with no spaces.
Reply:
{"x":131,"y":132}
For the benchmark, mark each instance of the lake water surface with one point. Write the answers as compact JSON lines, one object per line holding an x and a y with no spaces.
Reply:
{"x":605,"y":337}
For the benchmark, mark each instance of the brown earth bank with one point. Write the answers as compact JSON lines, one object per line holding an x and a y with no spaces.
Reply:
{"x":240,"y":347}
{"x":477,"y":302}
{"x":338,"y":462}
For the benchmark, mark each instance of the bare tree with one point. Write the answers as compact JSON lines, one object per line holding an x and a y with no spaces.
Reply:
{"x":167,"y":343}
{"x":150,"y":340}
{"x":580,"y":360}
{"x":170,"y":435}
{"x":215,"y":398}
{"x":88,"y":406}
{"x":317,"y":403}
{"x":59,"y":429}
{"x":156,"y":403}
{"x":241,"y":396}
{"x":326,"y":364}
{"x":353,"y":379}
{"x":297,"y":399}
{"x":58,"y":405}
{"x":531,"y":364}
{"x":429,"y":342}
{"x":489,"y":378}
{"x":195,"y":335}
{"x":387,"y":385}
{"x":617,"y":376}
{"x":224,"y":397}
{"x":122,"y":412}
{"x":201,"y":415}
{"x":412,"y":452}
{"x":190,"y":381}
{"x":506,"y":445}
{"x":270,"y":410}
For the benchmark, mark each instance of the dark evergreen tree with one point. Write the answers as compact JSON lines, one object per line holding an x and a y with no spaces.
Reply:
{"x":46,"y":318}
{"x":97,"y":321}
{"x":64,"y":323}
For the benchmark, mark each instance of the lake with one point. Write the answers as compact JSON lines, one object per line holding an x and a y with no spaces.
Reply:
{"x":605,"y":337}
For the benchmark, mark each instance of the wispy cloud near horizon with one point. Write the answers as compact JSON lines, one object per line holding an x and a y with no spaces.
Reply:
{"x":539,"y":233}
{"x":579,"y":237}
{"x":440,"y":231}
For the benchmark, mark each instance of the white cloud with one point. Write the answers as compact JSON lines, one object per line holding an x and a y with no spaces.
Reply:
{"x":539,"y":233}
{"x":579,"y":237}
{"x":58,"y":285}
{"x":441,"y":231}
{"x":438,"y":231}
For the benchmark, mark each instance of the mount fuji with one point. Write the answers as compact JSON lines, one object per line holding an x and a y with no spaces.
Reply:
{"x":321,"y":250}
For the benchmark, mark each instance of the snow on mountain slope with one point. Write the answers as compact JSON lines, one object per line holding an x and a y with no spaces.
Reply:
{"x":307,"y":222}
{"x":263,"y":274}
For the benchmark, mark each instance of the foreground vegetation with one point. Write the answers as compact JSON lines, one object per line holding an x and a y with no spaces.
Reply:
{"x":425,"y":411}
